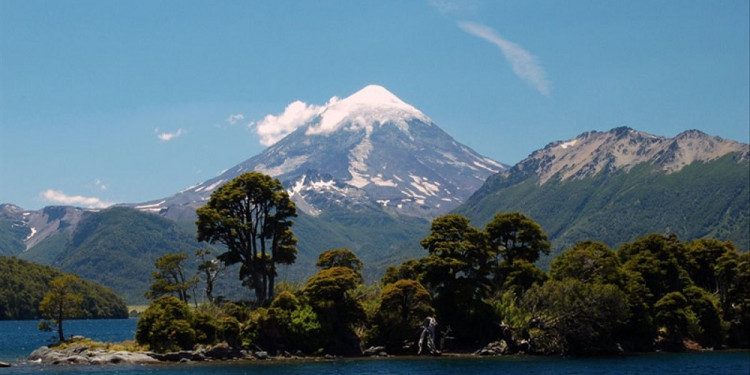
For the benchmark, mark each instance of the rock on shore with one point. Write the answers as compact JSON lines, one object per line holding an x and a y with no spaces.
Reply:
{"x":81,"y":354}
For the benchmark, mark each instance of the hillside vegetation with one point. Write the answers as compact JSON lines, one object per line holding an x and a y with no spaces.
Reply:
{"x":703,"y":200}
{"x":116,"y":247}
{"x":25,"y":283}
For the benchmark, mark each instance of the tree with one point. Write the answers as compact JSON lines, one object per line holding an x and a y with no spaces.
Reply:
{"x":329,"y":292}
{"x":170,"y":278}
{"x":339,"y":258}
{"x":408,"y":270}
{"x":590,"y":262}
{"x":713,"y":328}
{"x":659,"y":259}
{"x":250,"y":215}
{"x":166,"y":325}
{"x":673,"y":313}
{"x":61,"y":302}
{"x":287,"y":324}
{"x":519,"y":276}
{"x":572,"y":317}
{"x":211,"y":269}
{"x":457,"y":272}
{"x":403,"y":307}
{"x":516,"y":236}
{"x":703,"y":258}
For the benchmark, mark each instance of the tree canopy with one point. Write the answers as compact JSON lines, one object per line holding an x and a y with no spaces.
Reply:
{"x":61,"y":302}
{"x":171,"y":277}
{"x":251,"y":215}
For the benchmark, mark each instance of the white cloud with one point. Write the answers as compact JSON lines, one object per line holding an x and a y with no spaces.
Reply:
{"x":166,"y":136}
{"x":524,"y":64}
{"x":57,"y":196}
{"x":275,"y":127}
{"x":233,"y":119}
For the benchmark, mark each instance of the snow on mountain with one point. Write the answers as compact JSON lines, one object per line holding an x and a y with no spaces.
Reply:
{"x":41,"y":224}
{"x":370,"y":150}
{"x":621,"y":149}
{"x":364,"y":109}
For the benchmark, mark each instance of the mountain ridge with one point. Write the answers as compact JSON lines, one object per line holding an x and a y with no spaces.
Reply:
{"x":631,"y":183}
{"x":622,"y":148}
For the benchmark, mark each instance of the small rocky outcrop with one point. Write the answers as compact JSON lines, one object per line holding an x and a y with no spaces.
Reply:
{"x":81,"y":354}
{"x":494,"y":349}
{"x":375,"y":351}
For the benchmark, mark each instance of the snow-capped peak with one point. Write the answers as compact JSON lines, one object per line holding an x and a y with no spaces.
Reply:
{"x":375,"y":96}
{"x":364,"y":109}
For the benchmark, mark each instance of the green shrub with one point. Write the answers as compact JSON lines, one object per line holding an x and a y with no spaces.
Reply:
{"x":166,"y":326}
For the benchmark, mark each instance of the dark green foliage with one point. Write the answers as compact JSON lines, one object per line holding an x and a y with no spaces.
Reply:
{"x":713,"y":329}
{"x":61,"y":302}
{"x":516,"y":236}
{"x":519,"y":276}
{"x":166,"y":326}
{"x":703,"y":200}
{"x":329,"y":292}
{"x":573,"y":317}
{"x":703,"y":261}
{"x":674,"y":314}
{"x":287,"y":325}
{"x":660,"y":260}
{"x":734,"y":270}
{"x":171,"y":277}
{"x":25,"y":283}
{"x":403,"y":307}
{"x":457,"y":272}
{"x":339,"y":258}
{"x":590,"y":262}
{"x":229,"y":331}
{"x":206,"y":327}
{"x":251,"y":216}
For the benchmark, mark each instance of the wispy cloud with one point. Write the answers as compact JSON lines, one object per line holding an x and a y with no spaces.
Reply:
{"x":275,"y":127}
{"x":57,"y":196}
{"x":167,"y":136}
{"x":524,"y":64}
{"x":233,"y":119}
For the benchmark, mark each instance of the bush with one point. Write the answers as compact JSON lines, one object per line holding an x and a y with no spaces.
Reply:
{"x":166,"y":326}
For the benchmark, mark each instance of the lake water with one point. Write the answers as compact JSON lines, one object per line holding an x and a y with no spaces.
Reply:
{"x":19,"y":338}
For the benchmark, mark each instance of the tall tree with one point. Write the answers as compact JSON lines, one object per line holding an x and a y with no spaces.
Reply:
{"x":330,"y":294}
{"x":211,"y":268}
{"x":590,"y":262}
{"x":457,"y":272}
{"x":339,"y":258}
{"x":516,"y":236}
{"x":170,"y":278}
{"x":403,"y":307}
{"x":61,"y":302}
{"x":251,"y":216}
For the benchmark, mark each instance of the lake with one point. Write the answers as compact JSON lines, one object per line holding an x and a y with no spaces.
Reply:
{"x":19,"y":338}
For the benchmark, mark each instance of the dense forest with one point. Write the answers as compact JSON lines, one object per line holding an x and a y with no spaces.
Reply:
{"x":25,"y":284}
{"x":481,"y":287}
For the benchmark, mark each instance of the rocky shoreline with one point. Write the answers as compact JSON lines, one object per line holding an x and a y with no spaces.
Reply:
{"x":82,"y":354}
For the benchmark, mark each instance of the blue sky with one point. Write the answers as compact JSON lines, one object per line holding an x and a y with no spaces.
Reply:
{"x":127,"y":101}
